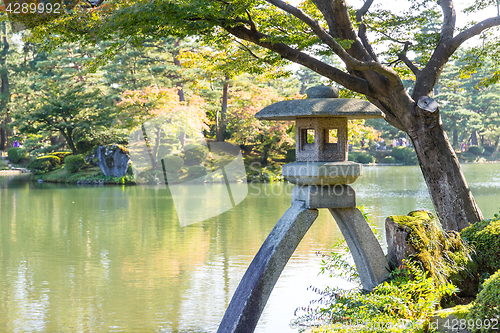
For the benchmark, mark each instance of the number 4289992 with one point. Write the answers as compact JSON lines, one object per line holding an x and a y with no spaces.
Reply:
{"x":32,"y":8}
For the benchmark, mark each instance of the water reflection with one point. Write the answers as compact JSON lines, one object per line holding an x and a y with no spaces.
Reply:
{"x":117,"y":259}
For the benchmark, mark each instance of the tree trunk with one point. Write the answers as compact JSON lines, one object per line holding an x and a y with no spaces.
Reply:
{"x":3,"y":136}
{"x":69,"y":140}
{"x":447,"y":186}
{"x":4,"y":87}
{"x":155,"y":148}
{"x":221,"y":130}
{"x":473,"y":139}
{"x":455,"y":138}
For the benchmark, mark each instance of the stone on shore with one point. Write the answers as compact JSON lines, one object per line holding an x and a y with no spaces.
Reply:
{"x":113,"y":160}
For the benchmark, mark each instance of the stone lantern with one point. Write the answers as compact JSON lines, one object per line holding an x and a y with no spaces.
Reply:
{"x":322,"y":174}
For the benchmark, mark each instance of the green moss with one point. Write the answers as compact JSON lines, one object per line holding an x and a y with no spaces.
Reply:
{"x":487,"y":304}
{"x":459,"y":311}
{"x":484,"y":236}
{"x":442,"y":254}
{"x":85,"y":176}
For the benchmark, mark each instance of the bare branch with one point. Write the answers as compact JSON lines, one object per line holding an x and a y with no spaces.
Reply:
{"x":402,"y":56}
{"x":336,"y":47}
{"x":246,"y":48}
{"x":252,"y":23}
{"x":474,"y":31}
{"x":363,"y":10}
{"x":364,"y":39}
{"x":349,"y":81}
{"x":449,"y":19}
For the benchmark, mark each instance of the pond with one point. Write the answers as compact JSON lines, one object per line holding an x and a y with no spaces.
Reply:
{"x":116,"y":259}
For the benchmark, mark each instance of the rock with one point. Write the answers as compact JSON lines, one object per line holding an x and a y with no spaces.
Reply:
{"x":322,"y":92}
{"x":397,"y":247}
{"x":113,"y":160}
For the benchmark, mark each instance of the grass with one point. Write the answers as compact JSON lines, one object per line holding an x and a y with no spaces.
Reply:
{"x":86,"y":175}
{"x":3,"y":165}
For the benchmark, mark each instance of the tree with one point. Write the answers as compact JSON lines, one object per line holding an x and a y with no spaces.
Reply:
{"x":70,"y":112}
{"x":268,"y":136}
{"x":326,"y":27}
{"x":159,"y":113}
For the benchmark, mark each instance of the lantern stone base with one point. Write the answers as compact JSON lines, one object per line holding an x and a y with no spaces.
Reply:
{"x":328,"y":196}
{"x":322,"y":173}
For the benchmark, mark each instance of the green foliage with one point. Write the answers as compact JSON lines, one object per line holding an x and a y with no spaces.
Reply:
{"x":73,"y":163}
{"x":484,"y":236}
{"x":61,"y":154}
{"x":290,"y":156}
{"x":405,"y":155}
{"x":365,"y":158}
{"x":173,"y":163}
{"x":195,"y":154}
{"x":411,"y":297}
{"x":3,"y":165}
{"x":44,"y":163}
{"x":196,"y":171}
{"x":389,"y":160}
{"x":486,"y":309}
{"x":475,"y":150}
{"x":489,"y":150}
{"x":17,"y":154}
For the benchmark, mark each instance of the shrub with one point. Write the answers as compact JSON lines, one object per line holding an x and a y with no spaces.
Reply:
{"x":173,"y":163}
{"x":17,"y":154}
{"x":487,"y":306}
{"x":489,"y":149}
{"x":352,"y":155}
{"x":475,"y":150}
{"x":195,"y":154}
{"x":196,"y":171}
{"x":44,"y":163}
{"x":389,"y":160}
{"x":164,"y":150}
{"x":74,"y":163}
{"x":365,"y":158}
{"x":61,"y":154}
{"x":405,"y":155}
{"x":290,"y":156}
{"x":484,"y":236}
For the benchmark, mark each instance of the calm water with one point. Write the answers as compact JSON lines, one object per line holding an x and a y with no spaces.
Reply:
{"x":116,"y":259}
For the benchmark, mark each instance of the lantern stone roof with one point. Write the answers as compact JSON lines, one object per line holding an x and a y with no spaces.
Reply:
{"x":320,"y":107}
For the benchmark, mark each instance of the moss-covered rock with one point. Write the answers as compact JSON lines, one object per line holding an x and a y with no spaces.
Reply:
{"x":442,"y":253}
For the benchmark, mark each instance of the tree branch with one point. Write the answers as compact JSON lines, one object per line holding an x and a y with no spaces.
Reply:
{"x":349,"y":81}
{"x":449,"y":20}
{"x":429,"y":75}
{"x":364,"y":39}
{"x":325,"y":7}
{"x":474,"y":31}
{"x":363,"y":10}
{"x":402,"y":56}
{"x":336,"y":47}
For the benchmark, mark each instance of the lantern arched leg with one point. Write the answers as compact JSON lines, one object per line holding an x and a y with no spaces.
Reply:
{"x":252,"y":293}
{"x":366,"y":251}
